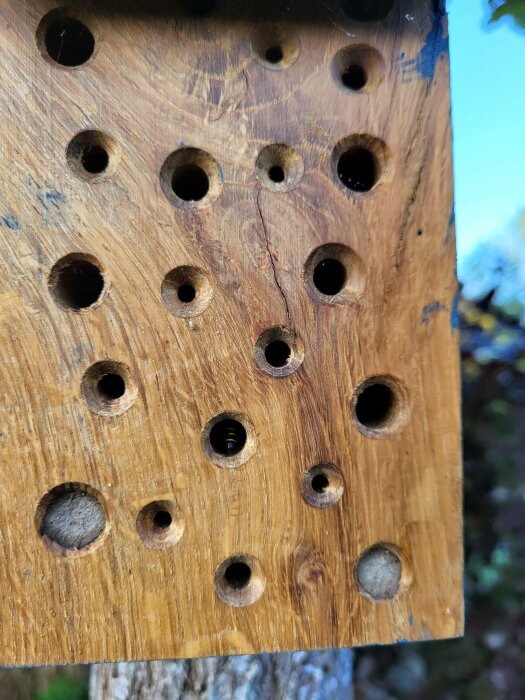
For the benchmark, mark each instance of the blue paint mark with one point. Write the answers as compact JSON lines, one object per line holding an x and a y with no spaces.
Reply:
{"x":423,"y":66}
{"x":429,"y":309}
{"x":411,"y":620}
{"x":55,"y":196}
{"x":454,"y":313}
{"x":402,"y":640}
{"x":50,"y":202}
{"x":11,"y":222}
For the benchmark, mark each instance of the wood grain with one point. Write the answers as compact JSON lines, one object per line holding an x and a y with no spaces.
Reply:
{"x":161,"y":80}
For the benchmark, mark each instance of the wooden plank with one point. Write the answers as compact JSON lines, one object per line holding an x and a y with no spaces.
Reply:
{"x":230,"y":415}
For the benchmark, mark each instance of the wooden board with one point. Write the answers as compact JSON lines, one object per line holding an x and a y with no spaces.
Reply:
{"x":240,"y":213}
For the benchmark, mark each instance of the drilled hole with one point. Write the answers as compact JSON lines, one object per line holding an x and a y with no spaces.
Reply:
{"x":374,"y":405}
{"x":70,"y":518}
{"x":228,"y":437}
{"x":378,"y":573}
{"x":277,"y":353}
{"x":76,"y":282}
{"x":200,"y":8}
{"x":92,"y":155}
{"x":329,"y":276}
{"x":357,"y":169}
{"x":66,"y":40}
{"x":239,"y":580}
{"x":190,"y":182}
{"x":191,"y":178}
{"x":111,"y":387}
{"x":238,"y":575}
{"x":320,"y":483}
{"x":276,"y":173}
{"x":160,"y":524}
{"x":354,"y":77}
{"x":274,"y":54}
{"x":186,"y":293}
{"x":95,"y":159}
{"x":367,"y":10}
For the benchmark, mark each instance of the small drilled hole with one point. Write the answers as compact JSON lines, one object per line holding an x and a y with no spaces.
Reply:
{"x":76,"y":282}
{"x":320,"y":483}
{"x":277,"y":353}
{"x":95,"y":159}
{"x":228,"y":437}
{"x":329,"y":276}
{"x":190,"y":182}
{"x":238,"y":575}
{"x":354,"y":77}
{"x":374,"y":405}
{"x":69,"y":42}
{"x":162,"y":519}
{"x":357,"y":169}
{"x":274,"y":54}
{"x":111,"y":387}
{"x":276,"y":173}
{"x":186,"y":293}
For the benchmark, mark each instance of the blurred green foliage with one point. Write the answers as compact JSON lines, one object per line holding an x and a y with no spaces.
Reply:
{"x":513,"y":8}
{"x":65,"y":687}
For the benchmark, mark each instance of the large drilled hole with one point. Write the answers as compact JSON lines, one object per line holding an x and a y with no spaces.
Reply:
{"x":186,"y":293}
{"x":111,"y":386}
{"x":276,"y":173}
{"x":238,"y":575}
{"x":191,"y":178}
{"x":374,"y":405}
{"x":357,"y":169}
{"x":76,"y":281}
{"x":160,"y":524}
{"x":329,"y":276}
{"x":190,"y":182}
{"x":71,"y":517}
{"x":322,"y":485}
{"x":367,"y":10}
{"x":354,"y":77}
{"x":66,"y":40}
{"x":274,"y":54}
{"x":95,"y":159}
{"x":228,"y":437}
{"x":277,"y":353}
{"x":378,"y":573}
{"x":239,"y":580}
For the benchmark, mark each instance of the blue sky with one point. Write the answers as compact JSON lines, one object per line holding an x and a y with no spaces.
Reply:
{"x":488,"y":116}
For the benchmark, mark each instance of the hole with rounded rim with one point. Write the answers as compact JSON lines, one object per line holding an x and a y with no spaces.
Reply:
{"x":239,"y":580}
{"x":190,"y":182}
{"x":191,"y":178}
{"x":71,"y":519}
{"x":186,"y":291}
{"x":65,"y":39}
{"x":380,"y":406}
{"x":357,"y":169}
{"x":109,"y":388}
{"x":92,"y":155}
{"x":334,"y":274}
{"x":322,"y":485}
{"x":275,"y":46}
{"x":279,"y":167}
{"x":358,"y":68}
{"x":238,"y":575}
{"x":228,"y":439}
{"x":375,"y":405}
{"x":279,"y":351}
{"x":160,"y":524}
{"x":76,"y":282}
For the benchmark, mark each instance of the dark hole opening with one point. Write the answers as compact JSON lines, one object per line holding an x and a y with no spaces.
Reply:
{"x":111,"y":387}
{"x":228,"y":437}
{"x":162,"y":519}
{"x":277,"y":353}
{"x":357,"y":169}
{"x":186,"y":293}
{"x":69,"y":42}
{"x":367,"y":10}
{"x":374,"y":405}
{"x":94,"y":159}
{"x":330,"y":276}
{"x":200,"y":8}
{"x":276,"y":173}
{"x":320,"y":483}
{"x":354,"y":77}
{"x":79,"y":284}
{"x":238,"y":575}
{"x":274,"y":54}
{"x":190,"y":182}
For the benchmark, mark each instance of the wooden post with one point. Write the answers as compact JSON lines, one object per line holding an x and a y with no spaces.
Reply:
{"x":230,"y":379}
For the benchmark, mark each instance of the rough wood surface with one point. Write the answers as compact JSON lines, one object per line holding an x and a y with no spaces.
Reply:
{"x":163,"y":211}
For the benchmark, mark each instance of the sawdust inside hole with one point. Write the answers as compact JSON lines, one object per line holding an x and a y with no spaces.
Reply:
{"x":160,"y":524}
{"x":186,"y":291}
{"x":71,"y":519}
{"x":367,"y":10}
{"x":379,"y":573}
{"x":65,"y":39}
{"x":239,"y":580}
{"x":279,"y":351}
{"x":228,"y":439}
{"x":76,"y":282}
{"x":322,"y":485}
{"x":279,"y":167}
